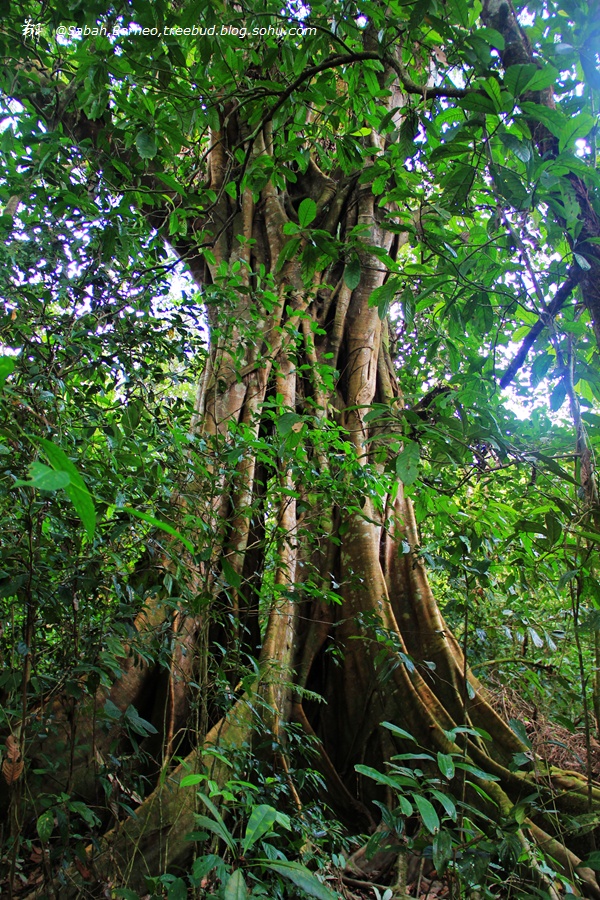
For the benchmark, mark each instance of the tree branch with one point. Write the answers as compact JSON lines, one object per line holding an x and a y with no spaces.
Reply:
{"x":559,"y":300}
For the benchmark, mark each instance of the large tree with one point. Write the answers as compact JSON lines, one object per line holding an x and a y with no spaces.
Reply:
{"x":318,"y":169}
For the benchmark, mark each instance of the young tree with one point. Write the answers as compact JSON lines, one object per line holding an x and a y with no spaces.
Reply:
{"x":315,"y":168}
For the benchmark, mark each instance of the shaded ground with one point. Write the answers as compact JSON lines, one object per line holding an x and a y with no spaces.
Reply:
{"x":550,"y":741}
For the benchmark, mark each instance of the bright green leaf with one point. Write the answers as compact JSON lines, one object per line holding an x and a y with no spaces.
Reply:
{"x":43,"y":478}
{"x":7,"y":365}
{"x":261,"y":821}
{"x":76,"y":489}
{"x":307,"y":212}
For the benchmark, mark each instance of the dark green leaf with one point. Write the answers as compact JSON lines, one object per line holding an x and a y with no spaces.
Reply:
{"x":407,"y":463}
{"x":146,"y":145}
{"x":352,"y":272}
{"x":442,"y":851}
{"x":45,"y":825}
{"x":7,"y":365}
{"x":428,"y":814}
{"x":446,"y":765}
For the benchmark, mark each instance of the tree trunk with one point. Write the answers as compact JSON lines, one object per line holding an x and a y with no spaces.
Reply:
{"x":384,"y":624}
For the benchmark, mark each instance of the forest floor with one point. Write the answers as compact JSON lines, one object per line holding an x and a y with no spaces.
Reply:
{"x":551,"y":741}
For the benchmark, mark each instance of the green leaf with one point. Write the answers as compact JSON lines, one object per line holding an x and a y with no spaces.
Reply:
{"x":287,"y":252}
{"x":399,"y":732}
{"x":236,"y":887}
{"x":383,"y":295}
{"x":478,"y":773}
{"x":146,"y":145}
{"x":7,"y":365}
{"x":553,"y":528}
{"x":193,"y":778}
{"x":428,"y":814}
{"x":447,"y":802}
{"x":177,"y":890}
{"x":307,"y":212}
{"x":593,"y":861}
{"x":43,"y":478}
{"x":457,"y":186}
{"x":446,"y":765}
{"x":553,"y":119}
{"x":45,"y":825}
{"x":521,"y":149}
{"x":352,"y":272}
{"x":492,"y":89}
{"x":509,"y":185}
{"x":286,"y":422}
{"x":76,"y":489}
{"x":459,"y":11}
{"x":574,"y":128}
{"x":377,"y":776}
{"x":137,"y":724}
{"x":554,"y":467}
{"x":217,"y":826}
{"x":582,"y":262}
{"x":558,"y":396}
{"x":442,"y":851}
{"x":518,"y":77}
{"x":261,"y":821}
{"x":232,"y":577}
{"x":159,"y":523}
{"x":405,"y":805}
{"x":301,"y":877}
{"x":407,"y":463}
{"x":478,"y":103}
{"x":544,"y":78}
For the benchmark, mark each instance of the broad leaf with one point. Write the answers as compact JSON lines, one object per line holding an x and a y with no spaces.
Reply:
{"x":307,"y":212}
{"x":442,"y":851}
{"x":352,"y":272}
{"x":146,"y":145}
{"x":45,"y":825}
{"x":43,"y":478}
{"x":76,"y":489}
{"x":428,"y":814}
{"x":302,"y":878}
{"x":261,"y":821}
{"x":7,"y":365}
{"x":407,"y":463}
{"x":236,"y":887}
{"x":446,"y":765}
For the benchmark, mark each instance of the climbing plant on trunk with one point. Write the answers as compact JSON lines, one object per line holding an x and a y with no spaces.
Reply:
{"x":330,"y":190}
